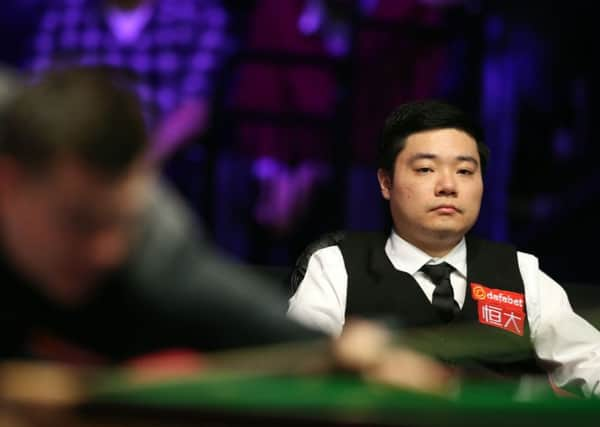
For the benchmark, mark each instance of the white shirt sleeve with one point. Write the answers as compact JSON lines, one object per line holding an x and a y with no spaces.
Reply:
{"x":559,"y":335}
{"x":320,"y":300}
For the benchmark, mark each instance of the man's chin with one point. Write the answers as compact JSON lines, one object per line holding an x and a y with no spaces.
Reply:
{"x":449,"y":234}
{"x":449,"y":227}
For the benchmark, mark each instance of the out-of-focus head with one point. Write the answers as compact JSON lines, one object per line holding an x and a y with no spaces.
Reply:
{"x":431,"y":161}
{"x":72,"y":179}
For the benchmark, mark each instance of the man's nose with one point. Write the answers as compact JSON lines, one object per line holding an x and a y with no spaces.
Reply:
{"x":446,"y":184}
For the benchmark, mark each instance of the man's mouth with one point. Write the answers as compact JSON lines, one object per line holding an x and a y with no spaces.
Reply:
{"x":446,"y":209}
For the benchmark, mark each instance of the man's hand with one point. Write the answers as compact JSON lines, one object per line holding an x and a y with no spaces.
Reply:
{"x":365,"y":347}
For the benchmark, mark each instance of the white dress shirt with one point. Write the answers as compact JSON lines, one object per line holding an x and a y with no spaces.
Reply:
{"x":557,"y":333}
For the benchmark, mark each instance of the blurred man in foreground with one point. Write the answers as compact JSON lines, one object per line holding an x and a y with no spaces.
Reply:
{"x":97,"y":262}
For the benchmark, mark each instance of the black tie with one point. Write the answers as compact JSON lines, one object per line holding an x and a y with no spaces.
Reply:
{"x":443,"y":296}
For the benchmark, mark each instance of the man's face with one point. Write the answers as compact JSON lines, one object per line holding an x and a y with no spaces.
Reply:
{"x":436,"y":190}
{"x":64,"y":229}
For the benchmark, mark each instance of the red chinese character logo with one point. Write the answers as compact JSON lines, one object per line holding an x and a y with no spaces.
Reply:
{"x":501,"y":317}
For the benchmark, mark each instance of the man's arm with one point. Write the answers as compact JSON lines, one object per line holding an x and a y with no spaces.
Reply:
{"x":207,"y":55}
{"x":567,"y":342}
{"x":189,"y":295}
{"x":320,"y":300}
{"x":189,"y":121}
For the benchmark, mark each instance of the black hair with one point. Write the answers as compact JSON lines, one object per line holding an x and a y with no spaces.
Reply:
{"x":420,"y":116}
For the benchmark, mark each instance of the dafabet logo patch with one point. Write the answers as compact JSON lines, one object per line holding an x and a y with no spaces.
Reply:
{"x":499,"y":308}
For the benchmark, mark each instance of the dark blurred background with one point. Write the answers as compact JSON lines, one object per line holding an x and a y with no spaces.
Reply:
{"x":298,"y":90}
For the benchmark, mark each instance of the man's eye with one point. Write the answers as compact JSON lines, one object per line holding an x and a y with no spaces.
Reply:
{"x":424,"y":170}
{"x":465,"y":172}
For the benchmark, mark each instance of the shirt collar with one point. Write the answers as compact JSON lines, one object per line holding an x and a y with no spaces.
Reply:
{"x":407,"y":257}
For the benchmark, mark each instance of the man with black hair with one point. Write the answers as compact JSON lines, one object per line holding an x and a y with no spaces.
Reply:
{"x":429,"y":272}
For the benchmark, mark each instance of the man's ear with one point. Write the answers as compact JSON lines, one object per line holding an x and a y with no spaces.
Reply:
{"x":385,"y":183}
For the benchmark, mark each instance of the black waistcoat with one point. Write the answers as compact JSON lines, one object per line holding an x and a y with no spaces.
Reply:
{"x":377,"y":290}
